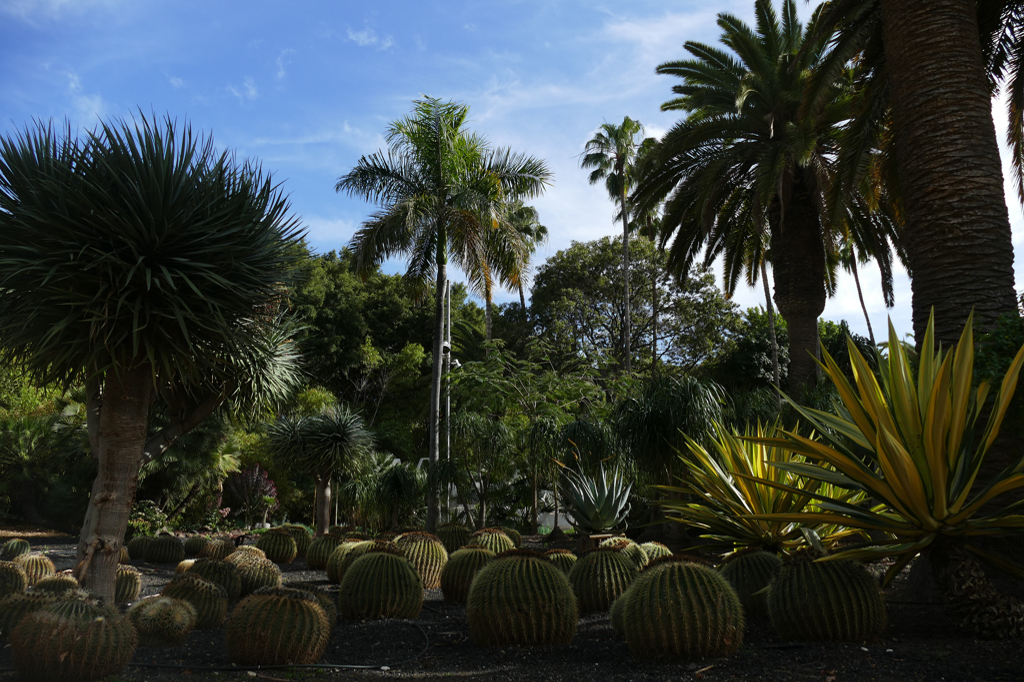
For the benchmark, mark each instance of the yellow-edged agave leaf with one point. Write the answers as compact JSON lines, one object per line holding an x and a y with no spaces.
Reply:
{"x":914,"y":455}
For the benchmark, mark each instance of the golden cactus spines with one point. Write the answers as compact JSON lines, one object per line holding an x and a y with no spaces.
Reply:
{"x":380,"y":583}
{"x":457,"y":575}
{"x":319,"y":551}
{"x":749,"y":572}
{"x":221,"y":572}
{"x":599,"y":576}
{"x":257,"y":572}
{"x":162,"y":620}
{"x":217,"y":548}
{"x":36,"y":565}
{"x":13,"y":579}
{"x":562,"y":558}
{"x":278,"y":545}
{"x":276,"y":626}
{"x":14,"y":547}
{"x":244,"y":553}
{"x":127,"y":584}
{"x":209,"y":599}
{"x":493,"y":539}
{"x":427,"y":554}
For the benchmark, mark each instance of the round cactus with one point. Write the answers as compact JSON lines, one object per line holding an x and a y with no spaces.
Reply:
{"x":165,"y":549}
{"x":209,"y":599}
{"x":37,"y":566}
{"x":630,"y":549}
{"x":162,"y":621}
{"x":319,"y":551}
{"x":493,"y":539}
{"x":217,"y":548}
{"x":380,"y":583}
{"x":303,"y":538}
{"x":521,"y":598}
{"x":73,"y":639}
{"x":615,"y":614}
{"x":277,"y":626}
{"x":278,"y":545}
{"x":387,"y":535}
{"x":562,"y":558}
{"x":600,"y":576}
{"x":221,"y":572}
{"x":427,"y":554}
{"x":655,"y":550}
{"x":830,"y":600}
{"x":515,"y":536}
{"x":194,"y":545}
{"x":16,"y":606}
{"x":676,"y":608}
{"x":14,"y":547}
{"x":326,"y":601}
{"x":244,"y":553}
{"x":454,"y":536}
{"x":183,"y":566}
{"x":57,"y":584}
{"x":257,"y":572}
{"x":750,"y":572}
{"x":457,"y":575}
{"x":13,"y":579}
{"x":347,"y":552}
{"x":127,"y":584}
{"x":124,"y":557}
{"x":137,"y":547}
{"x":339,"y":531}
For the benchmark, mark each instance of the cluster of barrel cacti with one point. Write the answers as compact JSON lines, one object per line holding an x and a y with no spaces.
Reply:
{"x":36,"y":566}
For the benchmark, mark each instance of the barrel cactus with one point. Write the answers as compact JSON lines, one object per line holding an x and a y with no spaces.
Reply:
{"x":493,"y":539}
{"x":165,"y":549}
{"x":326,"y":601}
{"x":123,"y":556}
{"x":521,"y":598}
{"x":630,"y":549}
{"x":387,"y":535}
{"x":562,"y":558}
{"x":380,"y":583}
{"x":514,"y":535}
{"x":615,"y":614}
{"x":57,"y":584}
{"x":16,"y":606}
{"x":340,"y":531}
{"x":278,"y":545}
{"x":73,"y":639}
{"x":244,"y":553}
{"x":162,"y":620}
{"x":209,"y":599}
{"x":750,"y":572}
{"x":679,"y":609}
{"x":36,"y":565}
{"x":277,"y":626}
{"x":256,"y":573}
{"x":427,"y":554}
{"x":13,"y":579}
{"x":454,"y":536}
{"x":829,"y":600}
{"x":347,"y":552}
{"x":457,"y":575}
{"x":319,"y":551}
{"x":127,"y":584}
{"x":14,"y":547}
{"x":303,"y":538}
{"x":194,"y":545}
{"x":137,"y":547}
{"x":655,"y":550}
{"x":184,"y":566}
{"x":600,"y":576}
{"x":221,"y":572}
{"x":217,"y":548}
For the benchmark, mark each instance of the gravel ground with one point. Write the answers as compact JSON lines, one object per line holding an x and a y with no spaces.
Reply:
{"x":920,"y":644}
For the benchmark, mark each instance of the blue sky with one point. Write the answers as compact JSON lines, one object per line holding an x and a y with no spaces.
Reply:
{"x":308,"y":87}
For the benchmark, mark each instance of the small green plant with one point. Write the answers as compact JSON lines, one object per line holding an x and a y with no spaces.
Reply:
{"x":597,"y":505}
{"x":146,"y":519}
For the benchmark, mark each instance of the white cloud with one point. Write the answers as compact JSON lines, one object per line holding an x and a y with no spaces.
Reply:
{"x":283,"y":61}
{"x":88,"y":107}
{"x":369,"y":38}
{"x":248,"y":91}
{"x":177,"y":82}
{"x":34,"y":11}
{"x":326,"y":234}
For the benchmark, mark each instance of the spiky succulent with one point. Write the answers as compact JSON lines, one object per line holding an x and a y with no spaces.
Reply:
{"x":427,"y":554}
{"x":302,"y":536}
{"x":209,"y":599}
{"x":137,"y":547}
{"x":123,"y":556}
{"x":347,"y":552}
{"x":162,"y":620}
{"x":493,"y":539}
{"x":127,"y":584}
{"x":16,"y":606}
{"x":750,"y":572}
{"x":319,"y":551}
{"x":165,"y":549}
{"x":380,"y":583}
{"x":217,"y":548}
{"x":655,"y":550}
{"x":597,"y":504}
{"x":244,"y":553}
{"x":328,"y":603}
{"x":13,"y":548}
{"x":36,"y":565}
{"x":454,"y":536}
{"x":221,"y":572}
{"x":630,"y":549}
{"x":599,"y":577}
{"x":13,"y":579}
{"x":457,"y":575}
{"x":57,"y":584}
{"x":257,"y":572}
{"x":276,"y":626}
{"x":194,"y":544}
{"x":562,"y":558}
{"x":278,"y":545}
{"x":515,"y":536}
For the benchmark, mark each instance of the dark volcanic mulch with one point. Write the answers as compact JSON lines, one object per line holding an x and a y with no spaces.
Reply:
{"x":920,"y":644}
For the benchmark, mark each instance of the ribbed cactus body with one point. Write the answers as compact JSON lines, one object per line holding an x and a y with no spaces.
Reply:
{"x":386,"y":535}
{"x":37,"y":566}
{"x":221,"y":572}
{"x":381,"y":583}
{"x":515,"y":536}
{"x":256,"y":573}
{"x":14,"y":547}
{"x":127,"y":584}
{"x":327,"y":602}
{"x":194,"y":545}
{"x":493,"y":539}
{"x":183,"y":566}
{"x":521,"y":598}
{"x":749,"y":573}
{"x":347,"y":552}
{"x":427,"y":554}
{"x":277,"y":626}
{"x":455,"y":536}
{"x":165,"y":549}
{"x":655,"y":550}
{"x":599,"y":576}
{"x":217,"y":548}
{"x":831,"y":600}
{"x":13,"y":579}
{"x":162,"y":620}
{"x":319,"y":551}
{"x":615,"y":614}
{"x":244,"y":553}
{"x":340,"y":531}
{"x":279,"y":546}
{"x":680,"y":609}
{"x":562,"y":558}
{"x":630,"y":549}
{"x":137,"y":547}
{"x":123,"y":556}
{"x":457,"y":575}
{"x":74,"y":640}
{"x":303,"y":538}
{"x":57,"y":584}
{"x":16,"y":606}
{"x":209,"y":599}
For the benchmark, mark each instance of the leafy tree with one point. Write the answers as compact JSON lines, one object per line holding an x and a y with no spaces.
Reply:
{"x":148,"y":266}
{"x":434,"y":183}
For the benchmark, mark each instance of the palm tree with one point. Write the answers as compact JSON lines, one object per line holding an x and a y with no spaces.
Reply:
{"x":149,"y":266}
{"x":526,"y":222}
{"x":613,"y":153}
{"x":434,"y":183}
{"x":323,"y":445}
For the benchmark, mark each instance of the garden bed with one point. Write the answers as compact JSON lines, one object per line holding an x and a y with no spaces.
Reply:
{"x":920,"y":643}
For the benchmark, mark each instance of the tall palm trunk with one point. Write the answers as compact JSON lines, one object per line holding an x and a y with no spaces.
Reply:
{"x":860,"y":295}
{"x":957,"y":233}
{"x":121,"y":438}
{"x":626,"y":331}
{"x":488,"y":319}
{"x":435,"y":379}
{"x":776,"y":370}
{"x":522,"y":300}
{"x":323,"y":504}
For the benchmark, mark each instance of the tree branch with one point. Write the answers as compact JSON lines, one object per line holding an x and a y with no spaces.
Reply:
{"x":183,"y":421}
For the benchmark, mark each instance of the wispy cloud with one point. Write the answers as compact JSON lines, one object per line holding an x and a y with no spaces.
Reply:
{"x":34,"y":11}
{"x":177,"y":82}
{"x":248,"y":90}
{"x":369,"y":38}
{"x":89,"y":107}
{"x":283,"y":62}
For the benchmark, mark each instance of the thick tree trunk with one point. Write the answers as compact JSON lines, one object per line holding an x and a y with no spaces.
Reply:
{"x":627,"y":319}
{"x":776,"y":370}
{"x":435,"y":385}
{"x":957,"y":233}
{"x":972,"y":600}
{"x":798,"y":264}
{"x":323,"y":504}
{"x":120,"y":437}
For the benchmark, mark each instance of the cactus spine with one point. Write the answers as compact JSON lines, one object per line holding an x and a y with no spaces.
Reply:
{"x":127,"y":584}
{"x":221,"y":572}
{"x":681,"y":609}
{"x":208,"y":598}
{"x":381,"y":583}
{"x":655,"y":550}
{"x":562,"y":558}
{"x":630,"y":549}
{"x":278,"y":545}
{"x":37,"y":566}
{"x":16,"y":606}
{"x":427,"y":554}
{"x":57,"y":584}
{"x":831,"y":600}
{"x":256,"y":573}
{"x":277,"y":626}
{"x":13,"y":579}
{"x":163,"y":621}
{"x":455,"y":536}
{"x":137,"y":547}
{"x":347,"y":552}
{"x":521,"y":598}
{"x":218,"y":548}
{"x":194,"y":545}
{"x":14,"y":547}
{"x":303,"y":538}
{"x":600,"y":576}
{"x":165,"y":549}
{"x":457,"y":575}
{"x":493,"y":539}
{"x":319,"y":551}
{"x":749,"y":572}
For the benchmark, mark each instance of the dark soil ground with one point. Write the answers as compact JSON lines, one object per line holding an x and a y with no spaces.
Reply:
{"x":920,"y":644}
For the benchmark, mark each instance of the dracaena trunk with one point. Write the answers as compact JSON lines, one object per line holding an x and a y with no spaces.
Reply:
{"x":323,"y":504}
{"x":979,"y":608}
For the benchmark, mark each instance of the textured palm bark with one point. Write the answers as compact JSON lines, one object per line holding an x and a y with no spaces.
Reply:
{"x":435,"y":387}
{"x":323,"y":504}
{"x":957,"y":233}
{"x":770,"y":309}
{"x":120,"y":439}
{"x":627,"y":321}
{"x":798,"y":265}
{"x":972,"y":600}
